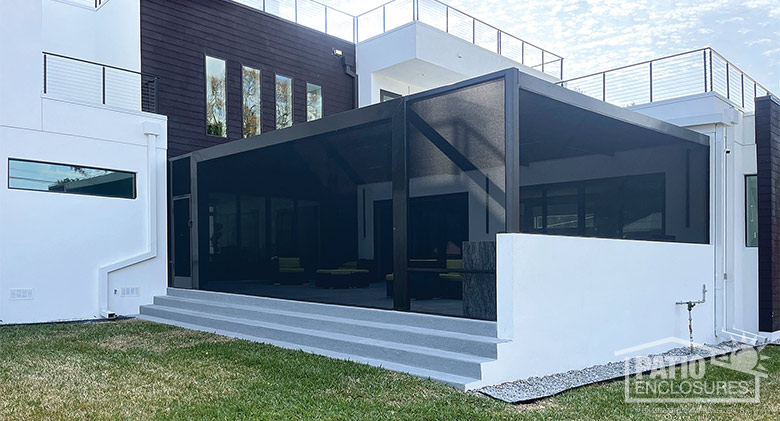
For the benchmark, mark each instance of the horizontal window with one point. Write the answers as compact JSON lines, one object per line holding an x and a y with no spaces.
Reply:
{"x":74,"y":179}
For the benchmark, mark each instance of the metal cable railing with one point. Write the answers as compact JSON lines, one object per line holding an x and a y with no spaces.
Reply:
{"x":309,"y":13}
{"x":82,"y":80}
{"x":462,"y":25}
{"x":674,"y":76}
{"x":388,"y":16}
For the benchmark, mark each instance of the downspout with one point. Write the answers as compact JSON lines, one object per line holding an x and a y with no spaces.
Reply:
{"x":151,"y":131}
{"x":350,"y":71}
{"x":724,"y":328}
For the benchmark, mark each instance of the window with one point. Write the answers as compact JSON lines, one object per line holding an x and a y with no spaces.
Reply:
{"x":251,"y":84}
{"x":751,"y":211}
{"x":216,"y":104}
{"x":74,"y":179}
{"x":387,"y":95}
{"x":284,"y":102}
{"x":313,"y":102}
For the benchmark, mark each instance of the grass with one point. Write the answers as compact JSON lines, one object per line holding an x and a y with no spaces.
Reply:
{"x":139,"y":370}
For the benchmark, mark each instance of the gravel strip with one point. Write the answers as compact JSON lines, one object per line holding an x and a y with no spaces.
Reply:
{"x":541,"y":387}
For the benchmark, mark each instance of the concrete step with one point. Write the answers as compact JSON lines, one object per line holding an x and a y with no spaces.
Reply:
{"x":430,"y":359}
{"x":425,"y":321}
{"x":481,"y":346}
{"x":458,"y":382}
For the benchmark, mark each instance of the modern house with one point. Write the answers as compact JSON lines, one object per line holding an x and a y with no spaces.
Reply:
{"x":410,"y":188}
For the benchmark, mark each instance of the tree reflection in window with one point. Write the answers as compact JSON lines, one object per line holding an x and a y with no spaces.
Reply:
{"x":313,"y":102}
{"x":284,"y":102}
{"x":216,"y":105}
{"x":251,"y":85}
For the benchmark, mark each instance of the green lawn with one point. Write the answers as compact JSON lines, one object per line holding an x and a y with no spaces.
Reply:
{"x":139,"y":370}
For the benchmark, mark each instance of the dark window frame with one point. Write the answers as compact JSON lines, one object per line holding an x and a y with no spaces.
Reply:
{"x":134,"y":174}
{"x":747,"y":240}
{"x":206,"y":98}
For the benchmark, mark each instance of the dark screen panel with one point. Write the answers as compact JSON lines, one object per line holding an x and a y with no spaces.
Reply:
{"x":586,"y":174}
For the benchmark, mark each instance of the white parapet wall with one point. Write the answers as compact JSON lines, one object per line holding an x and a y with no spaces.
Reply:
{"x":569,"y":303}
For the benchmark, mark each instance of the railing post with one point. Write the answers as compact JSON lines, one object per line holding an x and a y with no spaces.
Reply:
{"x":728,"y":84}
{"x":415,"y":10}
{"x":604,"y":86}
{"x":296,"y":11}
{"x":522,"y":51}
{"x":263,"y":5}
{"x":712,"y":86}
{"x":542,"y":61}
{"x":473,"y":31}
{"x":384,"y":20}
{"x":447,"y":19}
{"x":156,"y":97}
{"x":498,"y":37}
{"x":561,"y":68}
{"x":742,"y":85}
{"x":705,"y":70}
{"x":651,"y":81}
{"x":326,"y":19}
{"x":355,"y":28}
{"x":44,"y":74}
{"x":104,"y":85}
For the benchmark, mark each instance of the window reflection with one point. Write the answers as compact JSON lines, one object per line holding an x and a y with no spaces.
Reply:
{"x":216,"y":108}
{"x":62,"y":178}
{"x":313,"y":102}
{"x":284,"y":102}
{"x":251,"y":85}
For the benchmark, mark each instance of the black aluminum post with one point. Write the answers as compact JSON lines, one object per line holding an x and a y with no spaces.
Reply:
{"x":742,"y":86}
{"x":326,"y":19}
{"x":44,"y":74}
{"x":512,"y":150}
{"x":604,"y":86}
{"x":651,"y":81}
{"x":705,"y":70}
{"x":400,"y":209}
{"x":104,"y":85}
{"x":542,"y":61}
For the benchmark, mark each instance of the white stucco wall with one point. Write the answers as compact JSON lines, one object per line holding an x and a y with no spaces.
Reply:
{"x":568,"y":303}
{"x":55,"y":244}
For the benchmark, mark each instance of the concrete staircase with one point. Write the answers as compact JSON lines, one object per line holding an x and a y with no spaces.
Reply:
{"x":446,"y":349}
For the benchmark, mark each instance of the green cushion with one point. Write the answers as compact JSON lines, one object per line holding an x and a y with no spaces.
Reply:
{"x":349,"y":265}
{"x":450,"y":276}
{"x":289,"y":262}
{"x":389,"y":277}
{"x":454,"y":263}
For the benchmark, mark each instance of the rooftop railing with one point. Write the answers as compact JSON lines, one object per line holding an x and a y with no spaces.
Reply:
{"x":393,"y":14}
{"x":462,"y":25}
{"x":674,"y":76}
{"x":86,"y":81}
{"x":309,"y":13}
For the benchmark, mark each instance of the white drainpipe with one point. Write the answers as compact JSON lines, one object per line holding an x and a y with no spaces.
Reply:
{"x":724,"y":328}
{"x":151,"y":131}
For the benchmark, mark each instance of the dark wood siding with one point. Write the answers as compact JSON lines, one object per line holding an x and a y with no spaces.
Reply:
{"x":177,"y":34}
{"x":768,"y":156}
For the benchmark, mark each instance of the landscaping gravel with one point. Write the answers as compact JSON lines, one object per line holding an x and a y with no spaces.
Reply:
{"x":541,"y":387}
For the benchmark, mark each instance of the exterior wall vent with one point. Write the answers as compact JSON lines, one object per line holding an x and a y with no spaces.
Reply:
{"x":21,"y":294}
{"x":130,"y":292}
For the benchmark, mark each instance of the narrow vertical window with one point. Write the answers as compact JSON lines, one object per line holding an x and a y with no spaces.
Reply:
{"x":284,"y":102}
{"x":216,"y":104}
{"x":751,"y":211}
{"x":313,"y":102}
{"x":251,"y":82}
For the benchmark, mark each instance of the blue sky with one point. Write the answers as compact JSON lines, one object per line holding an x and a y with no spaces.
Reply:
{"x":595,"y":35}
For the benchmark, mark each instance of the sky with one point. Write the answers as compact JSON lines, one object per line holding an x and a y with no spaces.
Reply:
{"x":597,"y":35}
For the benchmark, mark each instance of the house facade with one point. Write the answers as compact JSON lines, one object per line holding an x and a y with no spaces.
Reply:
{"x":410,"y":188}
